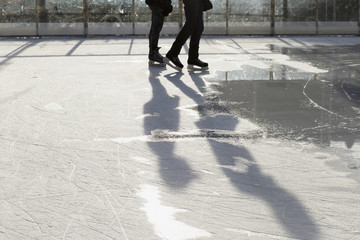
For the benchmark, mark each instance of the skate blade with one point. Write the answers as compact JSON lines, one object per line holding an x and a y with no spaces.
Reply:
{"x":170,"y":64}
{"x":156,"y":64}
{"x":196,"y":68}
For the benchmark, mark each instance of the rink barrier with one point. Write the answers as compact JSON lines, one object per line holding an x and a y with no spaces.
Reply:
{"x":227,"y":27}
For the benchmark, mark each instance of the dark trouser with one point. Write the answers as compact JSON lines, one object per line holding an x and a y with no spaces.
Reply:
{"x":157,"y":22}
{"x":194,"y":26}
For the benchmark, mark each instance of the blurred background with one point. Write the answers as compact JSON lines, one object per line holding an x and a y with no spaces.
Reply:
{"x":132,"y":17}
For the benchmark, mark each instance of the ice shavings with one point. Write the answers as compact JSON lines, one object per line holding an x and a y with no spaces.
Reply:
{"x":161,"y":134}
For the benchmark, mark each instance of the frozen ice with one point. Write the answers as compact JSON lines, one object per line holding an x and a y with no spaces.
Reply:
{"x":95,"y":144}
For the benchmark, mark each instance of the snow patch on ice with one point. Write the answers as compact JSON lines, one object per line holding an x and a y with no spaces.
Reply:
{"x":163,"y":220}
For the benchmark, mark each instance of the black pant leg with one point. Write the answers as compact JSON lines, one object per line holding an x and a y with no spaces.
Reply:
{"x":157,"y":22}
{"x":191,"y":13}
{"x":196,"y":35}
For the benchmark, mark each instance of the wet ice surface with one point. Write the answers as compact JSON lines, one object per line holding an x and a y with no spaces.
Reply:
{"x":317,"y":107}
{"x":96,"y":145}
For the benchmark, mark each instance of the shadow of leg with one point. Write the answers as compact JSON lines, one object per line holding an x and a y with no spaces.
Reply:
{"x":162,"y":114}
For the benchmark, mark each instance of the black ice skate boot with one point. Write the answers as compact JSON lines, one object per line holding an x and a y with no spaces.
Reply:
{"x":197,"y":64}
{"x":155,"y":58}
{"x":173,"y":62}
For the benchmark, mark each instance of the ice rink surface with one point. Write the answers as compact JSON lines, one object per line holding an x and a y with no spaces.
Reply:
{"x":94,"y":144}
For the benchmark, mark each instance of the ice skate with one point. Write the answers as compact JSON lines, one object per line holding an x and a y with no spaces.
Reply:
{"x":155,"y":58}
{"x":173,"y":62}
{"x":197,"y":65}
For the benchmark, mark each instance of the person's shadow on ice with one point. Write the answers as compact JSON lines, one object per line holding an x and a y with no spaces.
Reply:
{"x":290,"y":212}
{"x":161,"y":114}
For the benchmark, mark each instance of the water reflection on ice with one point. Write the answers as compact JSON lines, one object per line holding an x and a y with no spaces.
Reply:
{"x":317,"y":105}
